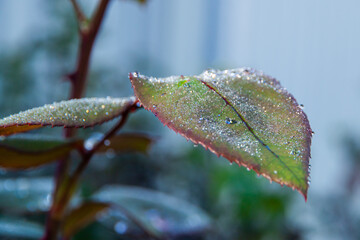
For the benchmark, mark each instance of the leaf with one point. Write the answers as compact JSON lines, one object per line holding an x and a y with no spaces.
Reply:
{"x":23,"y":152}
{"x":18,"y":228}
{"x":85,"y":112}
{"x":82,"y":216}
{"x":23,"y":195}
{"x":240,"y":114}
{"x":159,"y":213}
{"x":127,"y":142}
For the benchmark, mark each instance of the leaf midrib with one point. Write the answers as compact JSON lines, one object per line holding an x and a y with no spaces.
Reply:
{"x":249,"y":127}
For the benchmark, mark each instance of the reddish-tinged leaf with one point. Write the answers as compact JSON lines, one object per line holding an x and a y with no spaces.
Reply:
{"x":84,"y":112}
{"x":82,"y":216}
{"x":32,"y":151}
{"x":240,"y":114}
{"x":128,"y":142}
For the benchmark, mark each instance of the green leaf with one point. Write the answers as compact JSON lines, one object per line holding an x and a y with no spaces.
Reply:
{"x":240,"y":114}
{"x":160,"y":214}
{"x":23,"y":152}
{"x":84,"y":112}
{"x":127,"y":142}
{"x":82,"y":216}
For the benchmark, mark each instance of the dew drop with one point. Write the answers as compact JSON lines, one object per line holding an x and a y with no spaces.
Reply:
{"x":107,"y":142}
{"x":275,"y":172}
{"x":120,"y":227}
{"x":230,"y":121}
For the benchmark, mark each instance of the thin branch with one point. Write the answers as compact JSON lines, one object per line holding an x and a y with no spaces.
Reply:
{"x":78,"y":80}
{"x":98,"y":17}
{"x":79,"y":13}
{"x":88,"y":37}
{"x":87,"y":156}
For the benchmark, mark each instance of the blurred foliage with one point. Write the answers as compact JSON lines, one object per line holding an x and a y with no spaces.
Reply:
{"x":240,"y":204}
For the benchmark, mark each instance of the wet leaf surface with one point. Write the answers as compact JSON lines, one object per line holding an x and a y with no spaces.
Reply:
{"x":240,"y":114}
{"x":21,"y":152}
{"x":84,"y":112}
{"x":159,"y":213}
{"x":82,"y":216}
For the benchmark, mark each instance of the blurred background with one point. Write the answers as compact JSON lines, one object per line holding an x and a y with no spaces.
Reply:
{"x":311,"y":47}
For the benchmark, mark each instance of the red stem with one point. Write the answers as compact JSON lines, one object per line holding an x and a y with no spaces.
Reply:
{"x":78,"y":80}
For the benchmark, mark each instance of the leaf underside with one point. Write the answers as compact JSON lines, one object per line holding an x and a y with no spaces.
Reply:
{"x":240,"y":114}
{"x":85,"y":112}
{"x":24,"y":152}
{"x":82,"y":216}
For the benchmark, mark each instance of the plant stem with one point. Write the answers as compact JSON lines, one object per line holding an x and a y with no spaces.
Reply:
{"x":79,"y":14}
{"x":88,"y":35}
{"x":78,"y":79}
{"x":86,"y":157}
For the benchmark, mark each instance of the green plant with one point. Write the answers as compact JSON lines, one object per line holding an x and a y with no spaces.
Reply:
{"x":243,"y":115}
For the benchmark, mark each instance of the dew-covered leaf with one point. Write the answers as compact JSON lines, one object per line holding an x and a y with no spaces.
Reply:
{"x":127,"y":142}
{"x":29,"y":151}
{"x":84,"y":112}
{"x":82,"y":216}
{"x":159,"y":213}
{"x":241,"y":114}
{"x":15,"y":228}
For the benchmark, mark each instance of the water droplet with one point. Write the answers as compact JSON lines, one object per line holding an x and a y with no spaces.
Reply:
{"x":275,"y":172}
{"x":248,"y":169}
{"x":107,"y":142}
{"x":120,"y":227}
{"x":230,"y":121}
{"x":196,"y":145}
{"x":90,"y":142}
